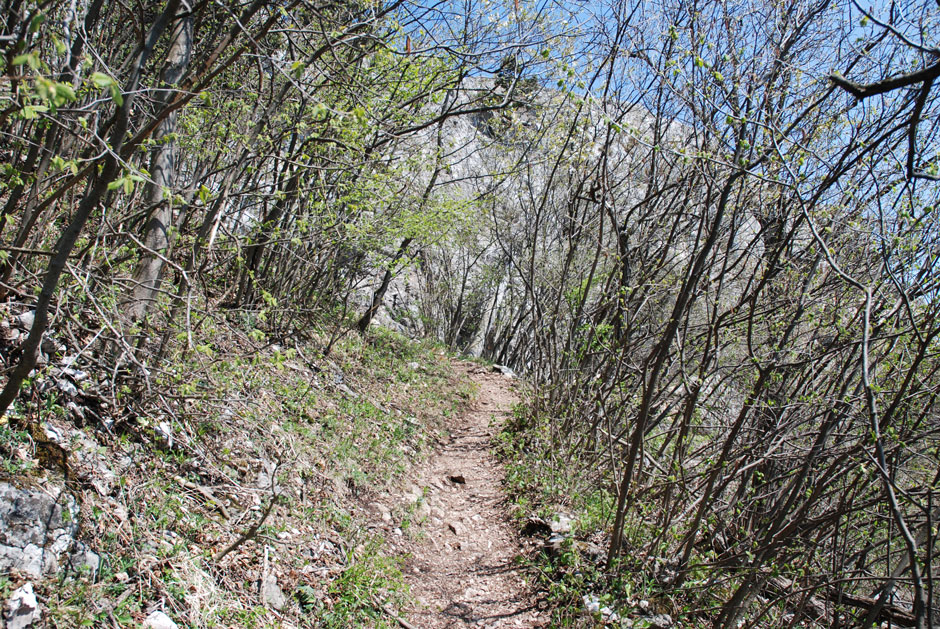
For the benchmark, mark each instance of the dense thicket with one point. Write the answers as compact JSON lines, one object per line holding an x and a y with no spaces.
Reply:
{"x":728,"y":288}
{"x":256,"y":157}
{"x":708,"y":231}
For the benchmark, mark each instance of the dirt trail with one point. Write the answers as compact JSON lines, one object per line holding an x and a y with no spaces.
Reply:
{"x":463,"y":572}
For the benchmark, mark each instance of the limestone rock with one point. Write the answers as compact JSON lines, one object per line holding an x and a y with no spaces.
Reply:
{"x":561,"y":524}
{"x":83,"y":559}
{"x":506,"y":371}
{"x":159,"y":620}
{"x":21,"y":610}
{"x":51,"y":346}
{"x":271,"y":594}
{"x":423,"y":510}
{"x":25,"y":320}
{"x":164,"y":434}
{"x":656,"y":621}
{"x":35,"y":529}
{"x":591,"y":604}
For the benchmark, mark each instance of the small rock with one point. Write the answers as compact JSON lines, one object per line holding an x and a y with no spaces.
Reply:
{"x":271,"y":593}
{"x":66,"y":387}
{"x":554,"y":543}
{"x":76,"y":375}
{"x":561,"y":524}
{"x":164,"y":434}
{"x":158,"y":620}
{"x":591,"y":604}
{"x":50,"y":346}
{"x":21,"y":610}
{"x":414,"y":493}
{"x":609,"y":615}
{"x":456,"y":528}
{"x":506,"y":371}
{"x":26,"y":319}
{"x":83,"y":559}
{"x":659,"y":621}
{"x":343,"y":388}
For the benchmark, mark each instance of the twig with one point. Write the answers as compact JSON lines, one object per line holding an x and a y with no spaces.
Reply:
{"x":391,"y":614}
{"x":247,"y":535}
{"x":205,"y":493}
{"x":253,"y":529}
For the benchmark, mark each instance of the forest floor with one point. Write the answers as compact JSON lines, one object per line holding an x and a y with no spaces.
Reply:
{"x":465,"y":567}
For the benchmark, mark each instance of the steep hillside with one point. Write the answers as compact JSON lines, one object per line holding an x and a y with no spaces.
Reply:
{"x":242,"y":501}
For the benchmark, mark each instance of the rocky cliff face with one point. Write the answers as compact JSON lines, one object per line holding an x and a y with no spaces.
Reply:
{"x":525,"y":179}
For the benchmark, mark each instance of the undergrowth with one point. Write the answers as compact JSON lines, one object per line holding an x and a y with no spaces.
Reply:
{"x":546,"y":482}
{"x":247,"y":461}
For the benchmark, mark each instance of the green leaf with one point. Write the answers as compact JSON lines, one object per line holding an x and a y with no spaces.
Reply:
{"x":36,"y":22}
{"x":116,"y":95}
{"x":360,"y":113}
{"x":101,"y":80}
{"x":30,"y":58}
{"x":31,"y":112}
{"x":64,"y":92}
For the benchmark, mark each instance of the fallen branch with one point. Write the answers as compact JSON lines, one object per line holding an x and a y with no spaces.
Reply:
{"x":391,"y":614}
{"x":253,"y":529}
{"x":205,"y":493}
{"x":816,"y":606}
{"x":897,"y":615}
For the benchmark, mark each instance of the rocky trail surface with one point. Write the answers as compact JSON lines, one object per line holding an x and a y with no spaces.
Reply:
{"x":464,"y":570}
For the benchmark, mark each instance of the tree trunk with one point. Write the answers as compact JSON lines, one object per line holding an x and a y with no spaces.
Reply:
{"x":379,"y":295}
{"x":149,"y":272}
{"x":96,"y":191}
